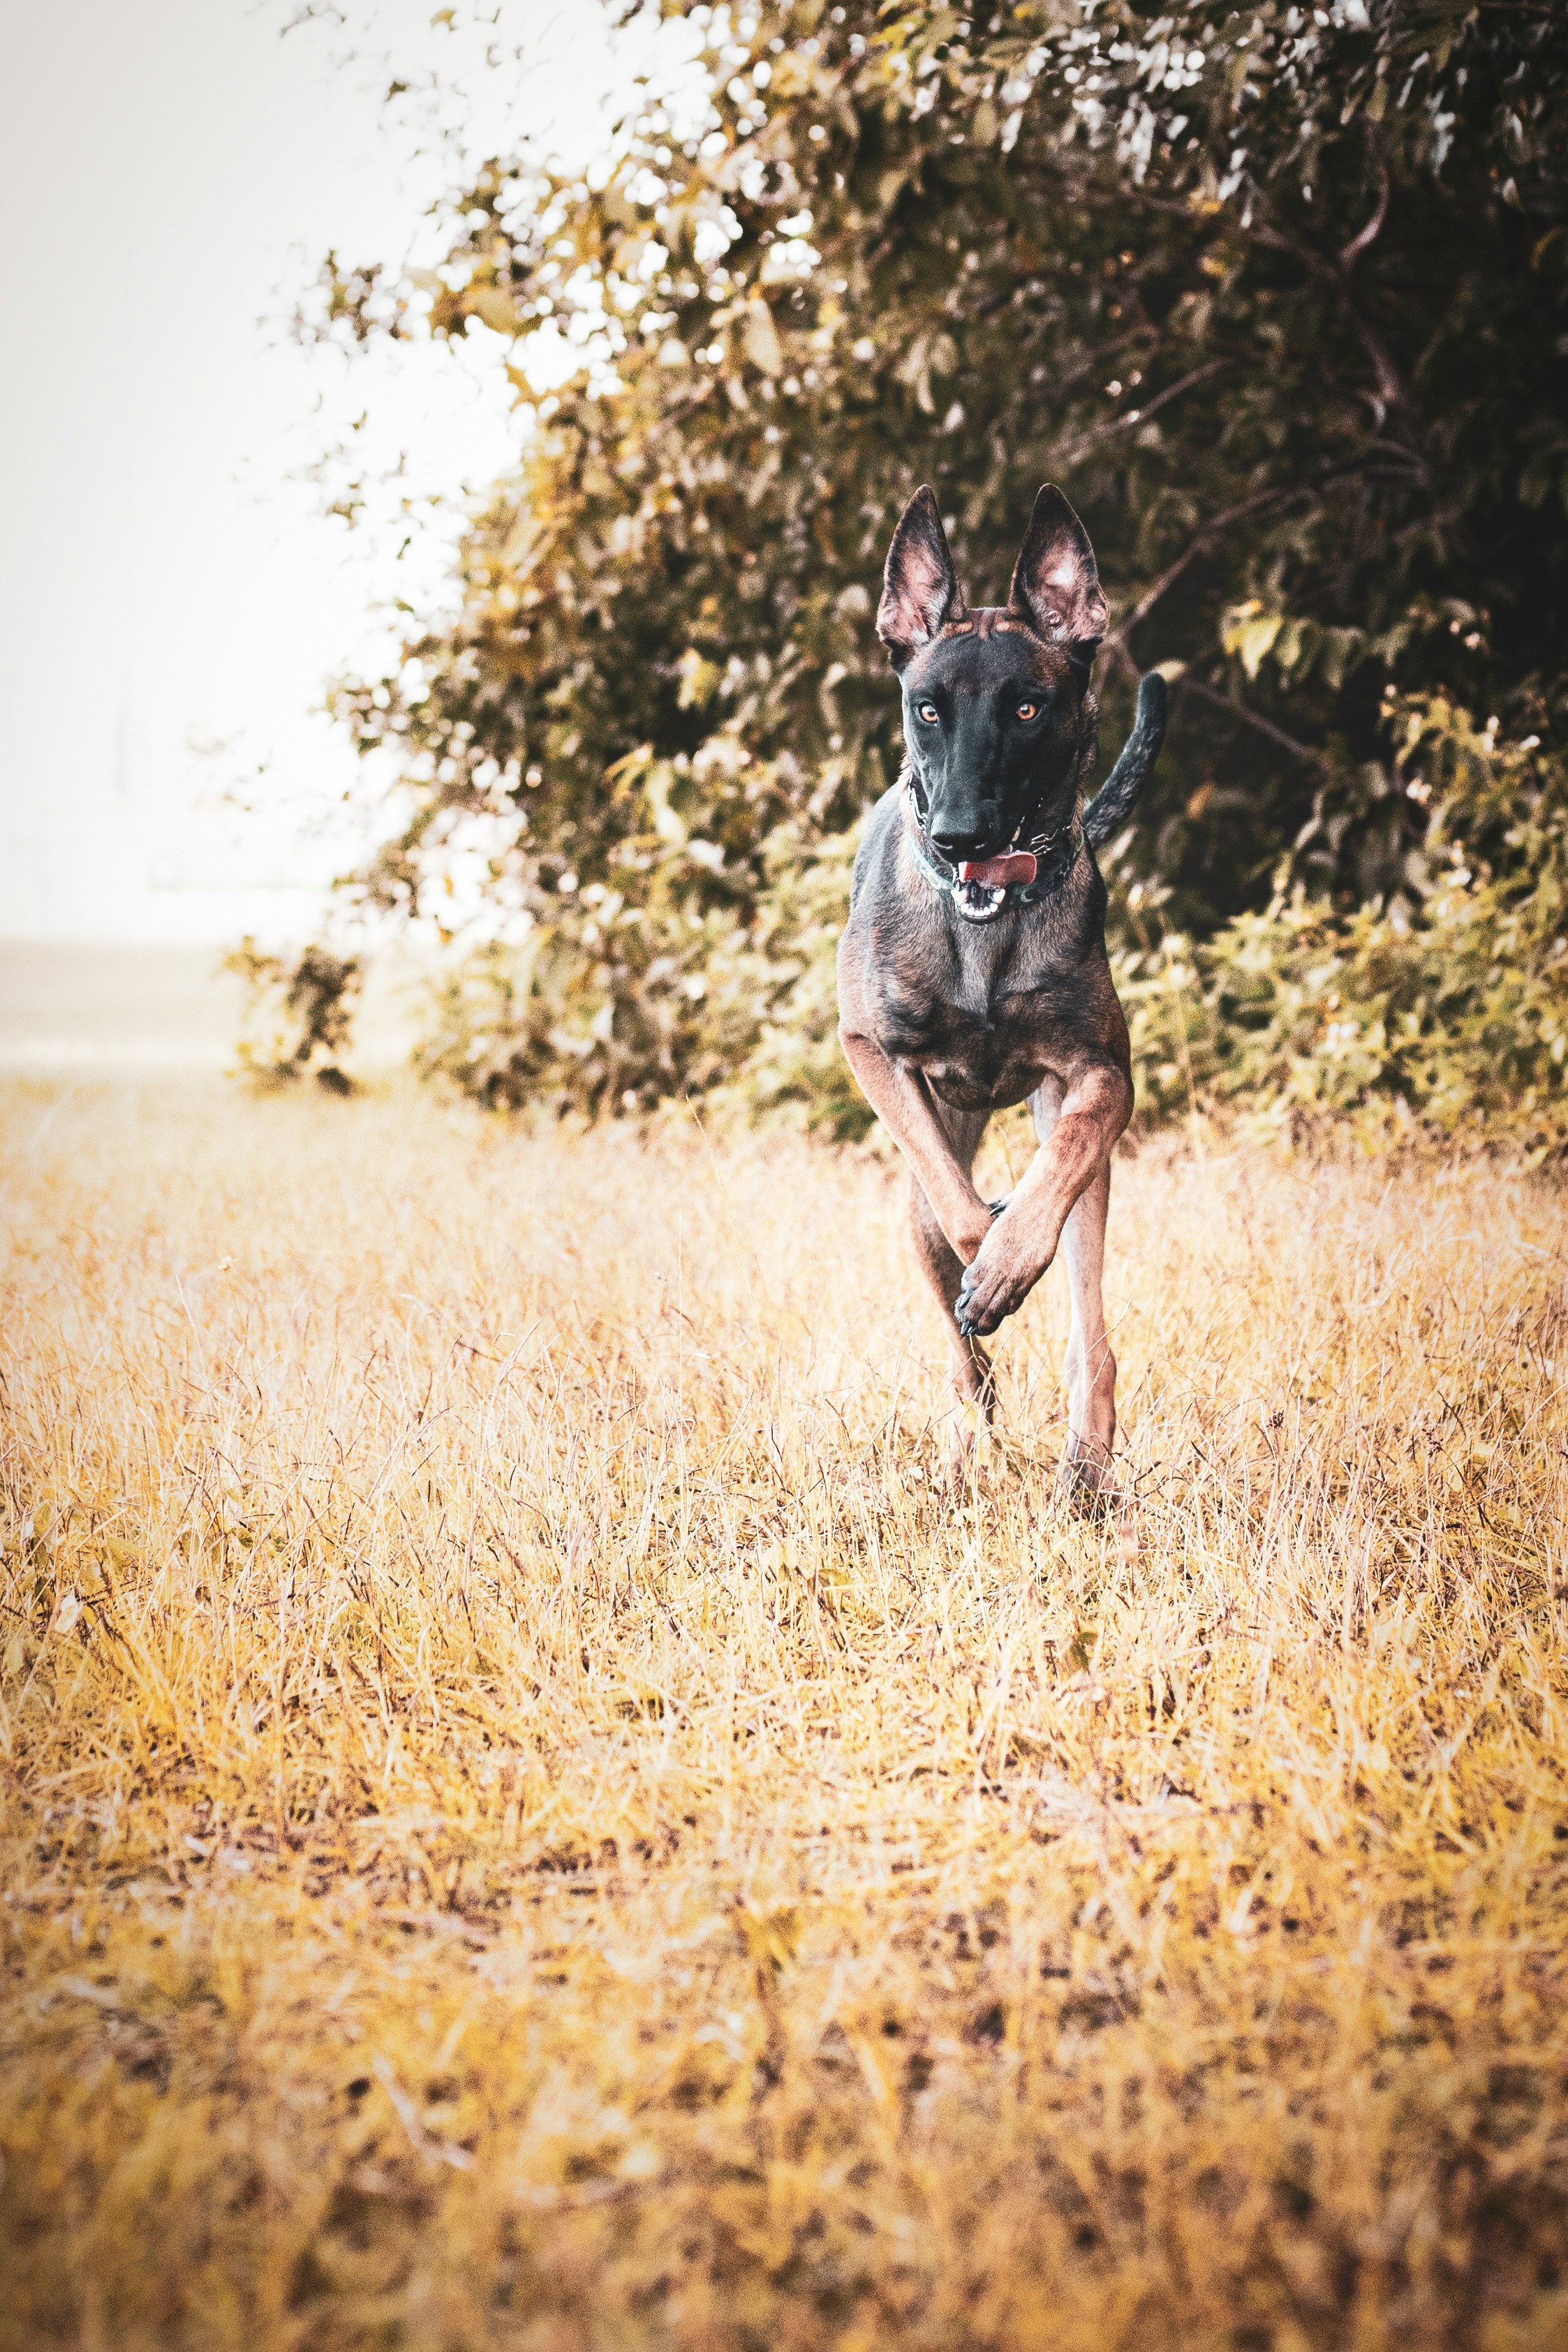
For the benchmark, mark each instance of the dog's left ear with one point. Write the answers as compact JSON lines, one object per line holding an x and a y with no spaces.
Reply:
{"x":1055,"y":585}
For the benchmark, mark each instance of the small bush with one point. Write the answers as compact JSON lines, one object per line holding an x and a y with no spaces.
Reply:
{"x":706,"y":967}
{"x":1442,"y":1009}
{"x":298,"y":1016}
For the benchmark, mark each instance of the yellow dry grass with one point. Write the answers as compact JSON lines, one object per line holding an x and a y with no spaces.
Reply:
{"x":530,"y":1822}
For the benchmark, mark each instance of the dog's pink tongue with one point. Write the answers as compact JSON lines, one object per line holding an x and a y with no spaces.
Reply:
{"x":997,"y":873}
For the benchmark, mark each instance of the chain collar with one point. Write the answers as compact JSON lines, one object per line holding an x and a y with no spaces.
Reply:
{"x":1055,"y":852}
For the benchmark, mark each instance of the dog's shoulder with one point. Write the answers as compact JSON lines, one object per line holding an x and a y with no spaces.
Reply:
{"x":879,"y":842}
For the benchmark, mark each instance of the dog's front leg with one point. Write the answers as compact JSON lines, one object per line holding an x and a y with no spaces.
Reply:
{"x":906,"y":1107}
{"x":1096,"y":1105}
{"x":938,"y":1142}
{"x":970,"y":1367}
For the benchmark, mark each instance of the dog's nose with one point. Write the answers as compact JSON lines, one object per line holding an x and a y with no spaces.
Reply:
{"x":956,"y":843}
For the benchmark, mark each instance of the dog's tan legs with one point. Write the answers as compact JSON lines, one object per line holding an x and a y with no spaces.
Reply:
{"x":1090,"y":1367}
{"x":928,"y":1133}
{"x":969,"y":1366}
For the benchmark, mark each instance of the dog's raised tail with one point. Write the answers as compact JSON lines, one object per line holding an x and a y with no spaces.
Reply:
{"x":1112,"y":803}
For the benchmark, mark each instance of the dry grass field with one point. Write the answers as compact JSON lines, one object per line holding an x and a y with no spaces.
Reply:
{"x":531,"y":1821}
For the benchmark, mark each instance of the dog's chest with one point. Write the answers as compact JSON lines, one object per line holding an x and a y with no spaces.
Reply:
{"x":980,"y":1031}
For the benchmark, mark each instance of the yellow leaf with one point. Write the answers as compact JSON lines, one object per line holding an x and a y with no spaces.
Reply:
{"x":1250,"y":632}
{"x":497,"y":308}
{"x":698,"y":678}
{"x":763,"y":348}
{"x":666,"y":823}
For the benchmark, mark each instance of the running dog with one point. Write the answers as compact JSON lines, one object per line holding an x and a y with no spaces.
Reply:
{"x":972,"y":970}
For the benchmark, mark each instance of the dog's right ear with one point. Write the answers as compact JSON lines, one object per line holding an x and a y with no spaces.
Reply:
{"x":920,"y":588}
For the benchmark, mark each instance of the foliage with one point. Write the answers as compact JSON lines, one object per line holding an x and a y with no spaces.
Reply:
{"x":299,"y":1017}
{"x":1278,"y":297}
{"x":686,"y":973}
{"x":1443,"y":1008}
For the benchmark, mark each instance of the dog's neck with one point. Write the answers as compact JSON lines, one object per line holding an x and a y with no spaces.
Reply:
{"x":1019,"y":876}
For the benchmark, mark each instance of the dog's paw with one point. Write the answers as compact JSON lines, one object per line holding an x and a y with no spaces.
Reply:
{"x":1004,"y":1270}
{"x":1084,"y":1483}
{"x":1085,"y":1478}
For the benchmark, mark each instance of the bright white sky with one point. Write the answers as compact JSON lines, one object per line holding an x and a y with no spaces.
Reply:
{"x":171,"y":600}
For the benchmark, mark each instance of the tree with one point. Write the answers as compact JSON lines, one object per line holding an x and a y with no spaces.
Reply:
{"x":1276,"y":293}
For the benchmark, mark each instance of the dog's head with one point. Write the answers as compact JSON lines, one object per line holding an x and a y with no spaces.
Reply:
{"x":994,"y":700}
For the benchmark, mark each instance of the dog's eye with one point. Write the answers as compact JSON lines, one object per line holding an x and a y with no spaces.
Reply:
{"x":1027,"y":709}
{"x":927,"y":710}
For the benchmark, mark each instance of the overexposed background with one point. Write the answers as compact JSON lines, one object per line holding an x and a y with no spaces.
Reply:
{"x":173,"y":597}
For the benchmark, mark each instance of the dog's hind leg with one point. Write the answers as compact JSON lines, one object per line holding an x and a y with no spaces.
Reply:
{"x":1090,"y":1367}
{"x":973,"y":1386}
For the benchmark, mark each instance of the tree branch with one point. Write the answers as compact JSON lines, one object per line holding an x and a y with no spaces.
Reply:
{"x":1228,"y":703}
{"x":1257,"y":504}
{"x":1374,"y":228}
{"x":1391,"y":391}
{"x":1086,"y":441}
{"x":1238,"y":710}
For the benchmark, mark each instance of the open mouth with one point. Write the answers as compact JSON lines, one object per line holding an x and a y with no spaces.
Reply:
{"x":983,"y":883}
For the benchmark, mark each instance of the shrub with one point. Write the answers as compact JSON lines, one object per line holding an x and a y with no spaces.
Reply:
{"x":1442,"y":1009}
{"x":298,"y":1016}
{"x":684,"y":980}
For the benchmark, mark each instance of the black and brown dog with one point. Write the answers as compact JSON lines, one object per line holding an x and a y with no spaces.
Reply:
{"x":972,"y":970}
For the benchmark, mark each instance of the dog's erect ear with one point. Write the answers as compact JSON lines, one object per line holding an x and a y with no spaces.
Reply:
{"x":920,"y":588}
{"x":1056,"y":587}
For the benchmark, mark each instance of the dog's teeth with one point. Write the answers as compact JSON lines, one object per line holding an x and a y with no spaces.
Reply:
{"x":978,"y":900}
